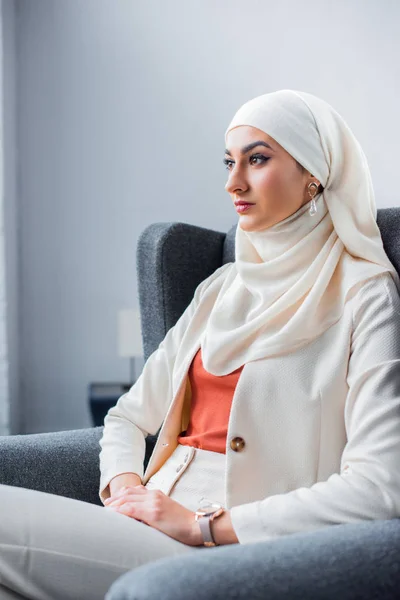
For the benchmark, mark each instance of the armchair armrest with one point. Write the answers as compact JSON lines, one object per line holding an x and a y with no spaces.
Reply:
{"x":346,"y":561}
{"x":65,"y":463}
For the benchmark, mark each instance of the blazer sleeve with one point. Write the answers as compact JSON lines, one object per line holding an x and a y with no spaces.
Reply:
{"x":142,"y":409}
{"x":368,"y":485}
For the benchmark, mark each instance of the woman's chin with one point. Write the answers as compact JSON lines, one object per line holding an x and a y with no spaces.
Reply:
{"x":250,"y":223}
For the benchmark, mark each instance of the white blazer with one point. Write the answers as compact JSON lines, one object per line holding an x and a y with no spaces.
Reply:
{"x":320,"y":426}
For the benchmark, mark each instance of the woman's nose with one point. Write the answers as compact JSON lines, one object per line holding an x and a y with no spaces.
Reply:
{"x":235,"y":183}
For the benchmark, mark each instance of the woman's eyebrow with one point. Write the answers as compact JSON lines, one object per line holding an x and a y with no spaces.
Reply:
{"x":249,"y":147}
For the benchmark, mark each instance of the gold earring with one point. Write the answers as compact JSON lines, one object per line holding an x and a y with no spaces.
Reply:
{"x":313,"y":207}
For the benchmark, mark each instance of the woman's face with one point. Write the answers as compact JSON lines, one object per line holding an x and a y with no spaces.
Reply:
{"x":268,"y":178}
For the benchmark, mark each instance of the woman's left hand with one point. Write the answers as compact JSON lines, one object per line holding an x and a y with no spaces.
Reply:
{"x":158,"y":510}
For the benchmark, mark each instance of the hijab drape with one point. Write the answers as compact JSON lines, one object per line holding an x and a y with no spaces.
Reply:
{"x":290,"y":282}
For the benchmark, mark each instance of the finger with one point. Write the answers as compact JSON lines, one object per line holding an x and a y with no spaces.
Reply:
{"x":129,"y":509}
{"x":136,"y":511}
{"x":124,"y":490}
{"x":131,"y":497}
{"x":116,"y":494}
{"x":121,"y":491}
{"x":129,"y":492}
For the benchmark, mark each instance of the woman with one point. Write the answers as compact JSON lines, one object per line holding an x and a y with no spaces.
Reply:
{"x":276,"y":391}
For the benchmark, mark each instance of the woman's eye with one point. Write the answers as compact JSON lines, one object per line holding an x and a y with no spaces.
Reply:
{"x":229,"y":162}
{"x":258,"y":157}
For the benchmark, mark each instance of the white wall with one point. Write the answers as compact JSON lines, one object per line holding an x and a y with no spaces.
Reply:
{"x":122,"y":108}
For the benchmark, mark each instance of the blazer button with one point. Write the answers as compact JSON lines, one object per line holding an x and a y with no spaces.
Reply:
{"x":237,"y":444}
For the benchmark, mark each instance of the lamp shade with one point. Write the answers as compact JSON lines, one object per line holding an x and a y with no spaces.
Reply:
{"x":129,"y":333}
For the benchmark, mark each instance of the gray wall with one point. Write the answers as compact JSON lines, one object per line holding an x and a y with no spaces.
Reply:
{"x":10,"y":364}
{"x":4,"y":387}
{"x":122,"y":108}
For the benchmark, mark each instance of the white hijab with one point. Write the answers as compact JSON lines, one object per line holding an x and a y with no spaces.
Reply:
{"x":290,"y":282}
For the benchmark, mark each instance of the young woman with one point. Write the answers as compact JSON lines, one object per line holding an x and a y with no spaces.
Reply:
{"x":277,"y":391}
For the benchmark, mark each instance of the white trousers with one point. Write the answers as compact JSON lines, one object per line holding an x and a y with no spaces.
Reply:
{"x":58,"y":548}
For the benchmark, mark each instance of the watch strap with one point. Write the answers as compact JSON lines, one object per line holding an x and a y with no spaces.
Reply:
{"x":205,"y":528}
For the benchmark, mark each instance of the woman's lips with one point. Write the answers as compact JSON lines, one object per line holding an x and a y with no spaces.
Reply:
{"x":243,"y":207}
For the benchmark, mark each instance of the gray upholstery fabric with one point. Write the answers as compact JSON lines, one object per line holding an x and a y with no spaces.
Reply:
{"x":388,"y":220}
{"x":172,"y":259}
{"x":65,"y":463}
{"x":342,"y":562}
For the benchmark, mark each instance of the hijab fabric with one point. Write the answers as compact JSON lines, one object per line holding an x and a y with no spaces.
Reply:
{"x":290,"y":282}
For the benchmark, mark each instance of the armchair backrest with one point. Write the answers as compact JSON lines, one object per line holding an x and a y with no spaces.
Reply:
{"x":173,"y":258}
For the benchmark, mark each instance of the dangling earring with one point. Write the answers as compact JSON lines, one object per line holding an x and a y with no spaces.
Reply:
{"x":313,"y":207}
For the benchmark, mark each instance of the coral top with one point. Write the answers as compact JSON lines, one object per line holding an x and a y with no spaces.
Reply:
{"x":210,"y":407}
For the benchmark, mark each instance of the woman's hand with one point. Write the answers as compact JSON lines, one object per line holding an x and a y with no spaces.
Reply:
{"x":158,"y":510}
{"x":122,"y":479}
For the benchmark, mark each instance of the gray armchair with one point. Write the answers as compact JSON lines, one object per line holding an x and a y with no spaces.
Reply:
{"x":351,"y":561}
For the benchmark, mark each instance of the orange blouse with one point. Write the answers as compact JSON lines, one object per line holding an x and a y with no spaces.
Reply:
{"x":210,"y":407}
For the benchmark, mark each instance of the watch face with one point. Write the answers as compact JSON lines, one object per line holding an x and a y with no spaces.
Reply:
{"x":208,"y":506}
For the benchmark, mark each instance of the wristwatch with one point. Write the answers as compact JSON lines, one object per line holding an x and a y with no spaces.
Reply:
{"x":207,"y":512}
